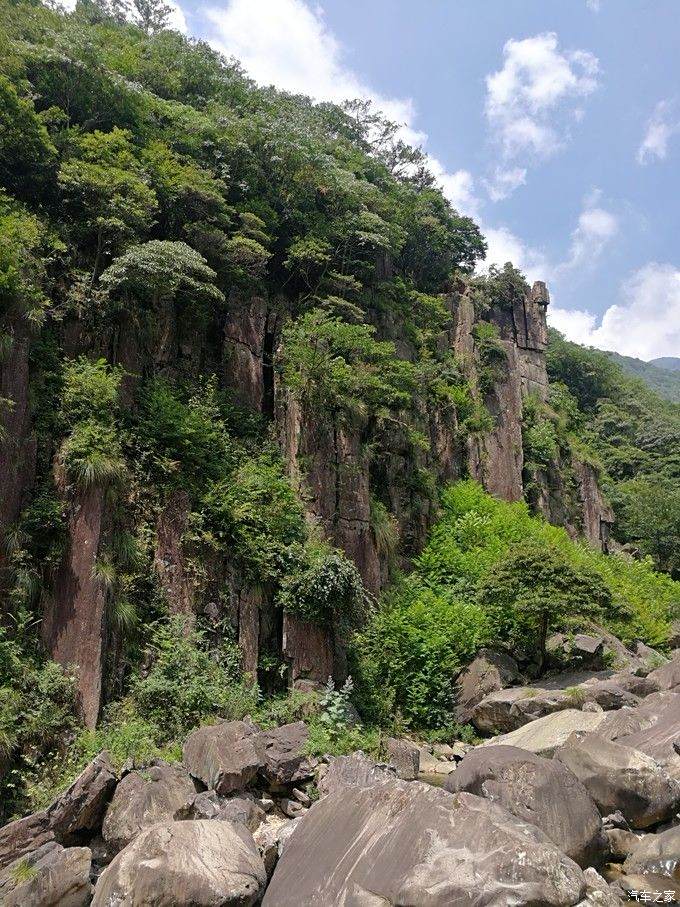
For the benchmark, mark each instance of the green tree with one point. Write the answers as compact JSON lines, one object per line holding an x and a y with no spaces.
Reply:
{"x":535,"y":589}
{"x":27,"y":155}
{"x":648,"y":514}
{"x":151,"y":15}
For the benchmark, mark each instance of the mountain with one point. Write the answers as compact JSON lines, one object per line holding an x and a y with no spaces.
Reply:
{"x":670,"y":363}
{"x":662,"y":375}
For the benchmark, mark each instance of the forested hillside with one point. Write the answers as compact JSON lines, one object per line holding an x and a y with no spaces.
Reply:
{"x":263,"y":424}
{"x":661,"y":374}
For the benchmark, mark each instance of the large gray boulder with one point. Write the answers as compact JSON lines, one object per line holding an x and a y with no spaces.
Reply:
{"x":598,"y":892}
{"x":403,"y":843}
{"x":244,"y":809}
{"x":659,"y":854}
{"x":282,"y":754}
{"x":51,"y":876}
{"x":653,"y":727}
{"x":404,"y":756}
{"x":185,"y":864}
{"x":490,"y":671}
{"x":73,"y":817}
{"x":621,"y":778}
{"x":158,"y":793}
{"x":547,"y":734}
{"x":225,"y":757}
{"x":667,"y":677}
{"x":356,"y":770}
{"x":507,"y":710}
{"x":540,"y":791}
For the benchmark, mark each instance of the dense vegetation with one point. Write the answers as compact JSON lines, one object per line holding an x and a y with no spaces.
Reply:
{"x":662,"y":375}
{"x":634,"y":437}
{"x":148,"y":187}
{"x":492,"y":574}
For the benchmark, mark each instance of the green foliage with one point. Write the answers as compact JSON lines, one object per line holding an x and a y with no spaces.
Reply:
{"x":188,"y":683}
{"x":410,"y":651}
{"x":325,"y":588}
{"x":498,"y":288}
{"x":92,"y":451}
{"x":648,"y":516}
{"x":490,"y":354}
{"x":26,"y":153}
{"x":25,"y":252}
{"x":534,"y":590}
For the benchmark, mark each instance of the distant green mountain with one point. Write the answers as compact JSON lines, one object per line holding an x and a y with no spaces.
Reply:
{"x":662,"y":375}
{"x":670,"y":363}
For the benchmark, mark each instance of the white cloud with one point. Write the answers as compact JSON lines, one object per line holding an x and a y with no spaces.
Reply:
{"x":504,"y":246}
{"x":526,"y":99}
{"x":595,"y":229}
{"x":661,"y":127}
{"x":288,"y":44}
{"x":504,"y":181}
{"x":593,"y":5}
{"x":646,"y":323}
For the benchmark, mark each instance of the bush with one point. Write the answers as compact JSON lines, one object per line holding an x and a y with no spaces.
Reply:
{"x":189,"y":684}
{"x":410,"y":652}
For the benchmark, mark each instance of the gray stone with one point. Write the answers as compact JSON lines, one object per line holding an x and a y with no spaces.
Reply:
{"x":540,"y":791}
{"x":581,"y":650}
{"x":653,"y":727}
{"x":488,"y":672}
{"x":224,"y":756}
{"x":185,"y":864}
{"x":291,"y":808}
{"x":284,"y":761}
{"x":244,"y":809}
{"x":658,"y":854}
{"x":71,"y":818}
{"x":50,"y":876}
{"x":158,"y":793}
{"x":431,"y":765}
{"x":410,"y":843}
{"x":621,"y":778}
{"x":547,"y":734}
{"x":598,"y":892}
{"x":404,"y":756}
{"x":667,"y":677}
{"x":356,"y":770}
{"x":621,"y":842}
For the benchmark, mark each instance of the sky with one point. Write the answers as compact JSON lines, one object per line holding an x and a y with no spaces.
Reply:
{"x":554,"y":123}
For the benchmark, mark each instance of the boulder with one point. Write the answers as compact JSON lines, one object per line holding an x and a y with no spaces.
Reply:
{"x":186,"y":864}
{"x":271,"y":838}
{"x":621,"y":842}
{"x":621,"y":778}
{"x":667,"y":677}
{"x":652,"y":727}
{"x":429,"y":764}
{"x":225,"y":757}
{"x":506,"y":710}
{"x":545,"y":735}
{"x":244,"y":809}
{"x":356,"y":770}
{"x":410,"y":843}
{"x":158,"y":793}
{"x":404,"y":756}
{"x":581,"y":650}
{"x":542,"y":792}
{"x":488,"y":672}
{"x":658,"y":854}
{"x":598,"y":892}
{"x":71,"y":818}
{"x":282,"y":753}
{"x":50,"y":876}
{"x":644,"y":888}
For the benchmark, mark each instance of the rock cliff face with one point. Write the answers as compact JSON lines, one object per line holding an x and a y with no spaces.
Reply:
{"x":328,"y":462}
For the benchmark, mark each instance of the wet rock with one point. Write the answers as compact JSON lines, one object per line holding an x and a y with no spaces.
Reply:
{"x":71,"y":818}
{"x":224,"y":756}
{"x":283,"y":759}
{"x":186,"y":864}
{"x":658,"y":854}
{"x":158,"y":793}
{"x":547,"y":734}
{"x":621,"y":778}
{"x":540,"y":791}
{"x":356,"y":770}
{"x":490,"y":671}
{"x":441,"y":846}
{"x":404,"y":756}
{"x":50,"y":876}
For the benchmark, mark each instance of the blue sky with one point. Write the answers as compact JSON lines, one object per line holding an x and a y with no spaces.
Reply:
{"x":556,"y":123}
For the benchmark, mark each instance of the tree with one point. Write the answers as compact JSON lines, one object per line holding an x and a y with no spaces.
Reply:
{"x":648,"y":512}
{"x":26,"y":153}
{"x":534,"y":589}
{"x":162,"y":271}
{"x":151,"y":15}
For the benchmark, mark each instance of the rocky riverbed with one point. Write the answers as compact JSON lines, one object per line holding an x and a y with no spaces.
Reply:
{"x":572,"y":798}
